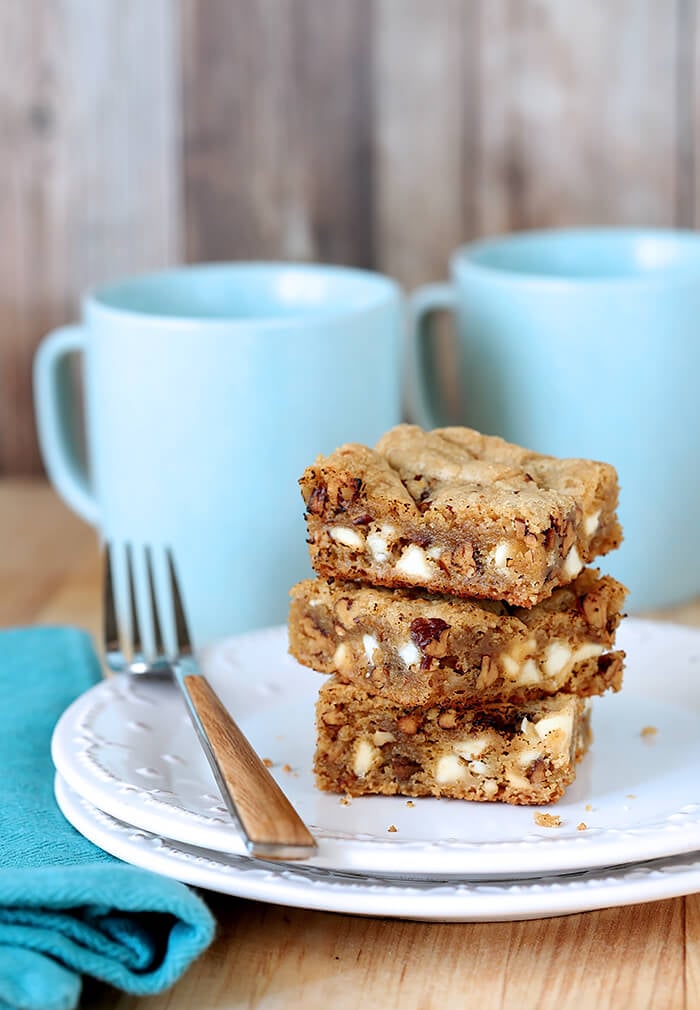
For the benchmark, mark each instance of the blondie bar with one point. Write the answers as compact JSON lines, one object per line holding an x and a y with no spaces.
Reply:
{"x":458,"y":512}
{"x":415,"y":648}
{"x":523,"y":754}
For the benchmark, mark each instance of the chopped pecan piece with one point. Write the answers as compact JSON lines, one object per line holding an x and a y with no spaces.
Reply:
{"x":317,"y":499}
{"x":409,"y":724}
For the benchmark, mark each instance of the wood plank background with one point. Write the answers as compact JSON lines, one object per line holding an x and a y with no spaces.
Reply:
{"x":380,"y":133}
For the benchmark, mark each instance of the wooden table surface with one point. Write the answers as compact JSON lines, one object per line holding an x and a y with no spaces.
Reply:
{"x":273,"y":957}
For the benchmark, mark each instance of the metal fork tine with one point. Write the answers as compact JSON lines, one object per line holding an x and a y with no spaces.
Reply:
{"x":110,"y":632}
{"x":133,"y":610}
{"x":184,"y":642}
{"x":157,"y":632}
{"x":271,"y":827}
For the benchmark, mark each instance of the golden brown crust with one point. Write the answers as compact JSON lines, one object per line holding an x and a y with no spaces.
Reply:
{"x":523,"y":754}
{"x":458,"y":512}
{"x":415,"y":648}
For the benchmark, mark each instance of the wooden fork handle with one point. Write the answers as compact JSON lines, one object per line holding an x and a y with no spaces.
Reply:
{"x":272,"y":826}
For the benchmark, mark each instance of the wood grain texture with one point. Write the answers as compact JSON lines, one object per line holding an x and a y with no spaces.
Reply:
{"x":381,"y":133}
{"x":268,"y":818}
{"x":31,"y":215}
{"x":688,"y":113}
{"x":40,"y":535}
{"x":426,"y":103}
{"x":579,"y":114}
{"x":689,"y":129}
{"x":277,"y":128}
{"x":268,"y":957}
{"x":692,"y":945}
{"x":509,"y":114}
{"x":89,"y":186}
{"x":312,"y":960}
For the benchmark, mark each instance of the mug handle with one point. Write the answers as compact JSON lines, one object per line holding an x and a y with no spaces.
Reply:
{"x":51,"y":406}
{"x":421,"y":396}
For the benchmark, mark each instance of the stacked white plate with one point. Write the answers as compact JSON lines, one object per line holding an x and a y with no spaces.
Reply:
{"x":132,"y":778}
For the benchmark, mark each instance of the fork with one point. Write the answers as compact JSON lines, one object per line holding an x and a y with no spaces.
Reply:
{"x":271,"y":826}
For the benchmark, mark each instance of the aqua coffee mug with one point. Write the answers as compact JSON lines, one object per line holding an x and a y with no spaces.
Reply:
{"x":208,"y":390}
{"x":585,"y":343}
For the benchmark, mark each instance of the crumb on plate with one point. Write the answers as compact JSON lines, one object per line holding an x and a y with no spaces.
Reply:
{"x":547,"y":820}
{"x":581,"y":826}
{"x":392,"y":828}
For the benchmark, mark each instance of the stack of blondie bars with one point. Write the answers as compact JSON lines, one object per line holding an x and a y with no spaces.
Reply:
{"x":453,"y":610}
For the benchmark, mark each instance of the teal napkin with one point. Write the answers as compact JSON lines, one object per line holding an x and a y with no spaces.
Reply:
{"x":68,"y":909}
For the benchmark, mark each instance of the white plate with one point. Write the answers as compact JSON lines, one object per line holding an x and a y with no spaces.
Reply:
{"x":128,"y":748}
{"x":446,"y":900}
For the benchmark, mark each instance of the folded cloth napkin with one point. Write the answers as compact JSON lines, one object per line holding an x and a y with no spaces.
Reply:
{"x":68,"y":909}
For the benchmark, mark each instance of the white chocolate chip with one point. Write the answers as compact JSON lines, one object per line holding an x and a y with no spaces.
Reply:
{"x":347,"y":536}
{"x":341,"y":654}
{"x":472,"y":747}
{"x":557,"y":657}
{"x":434,"y":553}
{"x":378,"y":546}
{"x":527,"y":728}
{"x":529,"y":673}
{"x":490,"y":787}
{"x":382,"y":736}
{"x":514,"y":659}
{"x":369,"y":643}
{"x":450,"y":768}
{"x":572,"y":564}
{"x":478,"y":767}
{"x":590,"y":523}
{"x":526,"y":672}
{"x":526,"y":757}
{"x":500,"y":555}
{"x":562,"y":722}
{"x":409,"y":653}
{"x":365,"y":757}
{"x":587,"y":651}
{"x":516,"y":780}
{"x":378,"y":542}
{"x":414,"y":563}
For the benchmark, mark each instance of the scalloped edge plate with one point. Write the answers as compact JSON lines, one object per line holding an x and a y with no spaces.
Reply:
{"x":446,"y":900}
{"x":127,"y":747}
